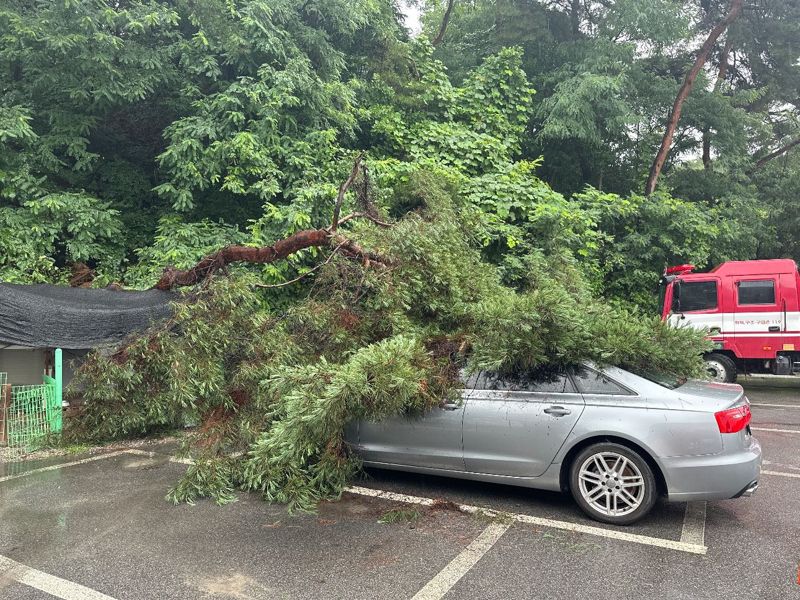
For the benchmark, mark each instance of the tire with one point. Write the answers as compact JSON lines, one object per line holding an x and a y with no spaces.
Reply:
{"x":721,"y":367}
{"x":601,"y":496}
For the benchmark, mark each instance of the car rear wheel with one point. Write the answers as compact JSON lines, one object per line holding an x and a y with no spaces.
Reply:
{"x":721,"y":368}
{"x":612,"y":483}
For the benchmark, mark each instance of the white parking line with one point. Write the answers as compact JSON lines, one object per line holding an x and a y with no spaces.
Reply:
{"x":694,"y":524}
{"x":776,"y":430}
{"x":777,"y":464}
{"x":542,"y":522}
{"x":44,"y":582}
{"x":437,"y":587}
{"x":794,"y":475}
{"x":67,"y":464}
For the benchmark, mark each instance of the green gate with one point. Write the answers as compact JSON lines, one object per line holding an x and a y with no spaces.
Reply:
{"x":33,"y":413}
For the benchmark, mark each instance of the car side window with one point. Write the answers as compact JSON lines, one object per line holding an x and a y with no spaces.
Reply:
{"x":494,"y":381}
{"x":590,"y":381}
{"x":485,"y":380}
{"x":550,"y":381}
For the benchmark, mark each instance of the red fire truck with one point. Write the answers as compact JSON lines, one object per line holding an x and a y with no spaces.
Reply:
{"x":750,"y":309}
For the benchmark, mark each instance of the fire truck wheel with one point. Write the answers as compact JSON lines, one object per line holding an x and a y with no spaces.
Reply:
{"x":721,"y":368}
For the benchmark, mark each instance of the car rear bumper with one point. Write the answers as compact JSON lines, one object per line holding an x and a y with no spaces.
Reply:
{"x":714,"y":477}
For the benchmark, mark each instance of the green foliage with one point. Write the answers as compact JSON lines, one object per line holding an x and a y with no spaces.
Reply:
{"x":206,"y":479}
{"x":639,"y":236}
{"x":180,"y":245}
{"x":275,"y":389}
{"x":246,"y":112}
{"x":515,"y":212}
{"x":47,"y":232}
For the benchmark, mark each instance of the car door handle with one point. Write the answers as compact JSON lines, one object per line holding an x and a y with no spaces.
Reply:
{"x":451,"y":406}
{"x":557,"y":411}
{"x":774,"y":328}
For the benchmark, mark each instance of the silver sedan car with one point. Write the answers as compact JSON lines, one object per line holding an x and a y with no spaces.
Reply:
{"x":613,"y":439}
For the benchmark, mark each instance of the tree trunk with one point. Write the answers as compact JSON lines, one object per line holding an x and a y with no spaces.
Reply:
{"x":683,"y":93}
{"x":445,"y":21}
{"x":300,"y":240}
{"x":721,"y":74}
{"x":575,"y":17}
{"x":308,"y":238}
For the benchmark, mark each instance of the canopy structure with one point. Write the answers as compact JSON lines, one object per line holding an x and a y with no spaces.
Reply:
{"x":50,"y":316}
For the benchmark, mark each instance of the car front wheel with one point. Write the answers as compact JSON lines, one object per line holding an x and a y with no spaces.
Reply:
{"x":612,"y":483}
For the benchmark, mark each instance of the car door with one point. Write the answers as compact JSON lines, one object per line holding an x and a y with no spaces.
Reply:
{"x":519,"y":432}
{"x":432,"y":440}
{"x":697,"y":303}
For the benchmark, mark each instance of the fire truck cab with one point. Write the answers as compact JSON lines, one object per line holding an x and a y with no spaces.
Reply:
{"x":751,"y":311}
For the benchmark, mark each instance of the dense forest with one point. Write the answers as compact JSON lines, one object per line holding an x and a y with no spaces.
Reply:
{"x":138,"y":134}
{"x":501,"y":191}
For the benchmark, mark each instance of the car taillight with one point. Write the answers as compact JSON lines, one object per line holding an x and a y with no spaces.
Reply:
{"x":733,"y":419}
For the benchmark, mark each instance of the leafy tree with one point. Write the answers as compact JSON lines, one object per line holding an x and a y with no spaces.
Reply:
{"x":46,"y":233}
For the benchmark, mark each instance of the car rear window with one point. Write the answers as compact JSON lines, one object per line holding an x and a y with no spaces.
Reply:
{"x":590,"y":381}
{"x":663,"y":379}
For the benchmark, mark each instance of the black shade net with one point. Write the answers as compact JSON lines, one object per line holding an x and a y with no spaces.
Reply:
{"x":53,"y":316}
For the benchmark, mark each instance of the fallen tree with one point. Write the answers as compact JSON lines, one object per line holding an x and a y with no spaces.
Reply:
{"x":374,"y":333}
{"x":301,"y":240}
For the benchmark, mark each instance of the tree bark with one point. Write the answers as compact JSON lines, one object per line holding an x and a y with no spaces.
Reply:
{"x":301,"y":240}
{"x":443,"y":27}
{"x":308,"y":238}
{"x":337,"y":207}
{"x":683,"y":93}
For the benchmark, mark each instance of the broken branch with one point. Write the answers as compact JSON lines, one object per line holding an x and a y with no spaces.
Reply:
{"x":300,"y":240}
{"x":343,"y":190}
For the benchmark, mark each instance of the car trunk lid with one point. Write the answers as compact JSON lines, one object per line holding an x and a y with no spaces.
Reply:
{"x":710,"y":396}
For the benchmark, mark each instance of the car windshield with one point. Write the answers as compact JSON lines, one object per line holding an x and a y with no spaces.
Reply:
{"x":663,"y":379}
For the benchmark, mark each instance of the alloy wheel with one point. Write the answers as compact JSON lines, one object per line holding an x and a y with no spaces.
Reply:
{"x":611,"y":484}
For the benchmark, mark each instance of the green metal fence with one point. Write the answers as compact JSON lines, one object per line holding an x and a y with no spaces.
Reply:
{"x":33,"y":413}
{"x":33,"y":416}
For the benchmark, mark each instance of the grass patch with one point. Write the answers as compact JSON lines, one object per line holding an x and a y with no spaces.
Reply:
{"x":76,"y":448}
{"x":400,"y":515}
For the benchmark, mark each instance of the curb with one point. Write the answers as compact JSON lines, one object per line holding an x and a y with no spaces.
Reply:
{"x":769,"y":381}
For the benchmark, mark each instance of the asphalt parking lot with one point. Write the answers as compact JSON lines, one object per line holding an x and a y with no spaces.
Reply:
{"x":98,"y":527}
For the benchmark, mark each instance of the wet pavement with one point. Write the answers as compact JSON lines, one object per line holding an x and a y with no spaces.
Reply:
{"x":103,"y":527}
